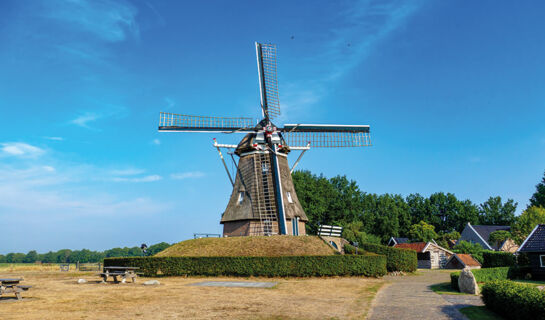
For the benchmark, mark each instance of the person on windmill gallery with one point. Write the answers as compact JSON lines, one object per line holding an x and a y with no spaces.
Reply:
{"x":263,"y":200}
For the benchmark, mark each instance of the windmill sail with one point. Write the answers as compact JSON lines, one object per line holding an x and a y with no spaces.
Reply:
{"x":268,"y":80}
{"x":326,"y":136}
{"x":186,"y":123}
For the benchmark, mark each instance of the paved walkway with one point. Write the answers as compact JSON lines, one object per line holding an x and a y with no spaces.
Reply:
{"x":410,"y":297}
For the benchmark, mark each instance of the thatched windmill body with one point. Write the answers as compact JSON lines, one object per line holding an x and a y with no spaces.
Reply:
{"x":263,"y":200}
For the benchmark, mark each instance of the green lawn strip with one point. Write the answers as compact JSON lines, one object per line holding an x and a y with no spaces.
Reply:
{"x":479,"y":313}
{"x":532,"y":282}
{"x":444,"y":288}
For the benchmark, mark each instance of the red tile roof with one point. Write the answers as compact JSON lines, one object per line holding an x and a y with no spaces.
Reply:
{"x":468,"y":260}
{"x":416,"y":246}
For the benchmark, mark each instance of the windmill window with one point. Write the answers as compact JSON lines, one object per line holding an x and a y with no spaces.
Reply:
{"x":264,"y":167}
{"x":542,"y":261}
{"x":240,"y":197}
{"x":290,"y":200}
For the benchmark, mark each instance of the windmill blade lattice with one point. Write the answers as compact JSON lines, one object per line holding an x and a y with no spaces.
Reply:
{"x":187,"y":123}
{"x":266,"y":60}
{"x":326,"y":136}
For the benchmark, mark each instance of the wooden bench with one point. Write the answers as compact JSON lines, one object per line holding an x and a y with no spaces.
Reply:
{"x":123,"y":272}
{"x":11,"y":285}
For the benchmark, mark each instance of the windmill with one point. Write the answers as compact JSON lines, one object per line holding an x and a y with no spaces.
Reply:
{"x":263,"y":200}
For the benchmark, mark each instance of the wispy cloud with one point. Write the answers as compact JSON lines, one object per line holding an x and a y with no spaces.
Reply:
{"x":111,"y":21}
{"x":127,"y":172}
{"x":170,"y":103}
{"x":150,"y":178}
{"x":156,"y":142}
{"x":54,"y":138}
{"x":364,"y":25}
{"x":20,"y":149}
{"x":187,"y":175}
{"x":106,"y":110}
{"x":83,"y":119}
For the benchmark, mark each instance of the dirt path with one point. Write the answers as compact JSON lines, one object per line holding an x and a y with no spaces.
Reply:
{"x":410,"y":297}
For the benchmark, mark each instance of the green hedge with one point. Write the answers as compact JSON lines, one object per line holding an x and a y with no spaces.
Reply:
{"x":370,"y":265}
{"x":396,"y":259}
{"x":493,"y":259}
{"x":514,"y":300}
{"x":490,"y":274}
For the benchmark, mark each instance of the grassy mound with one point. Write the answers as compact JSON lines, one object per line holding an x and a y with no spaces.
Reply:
{"x":274,"y":246}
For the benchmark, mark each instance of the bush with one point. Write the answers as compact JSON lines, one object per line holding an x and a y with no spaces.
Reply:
{"x":397,"y":259}
{"x":493,"y":259}
{"x":350,"y":249}
{"x":514,"y":300}
{"x":369,"y":265}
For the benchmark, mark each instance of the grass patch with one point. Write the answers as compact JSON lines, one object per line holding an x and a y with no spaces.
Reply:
{"x":531,"y":282}
{"x":444,"y":288}
{"x":479,"y":313}
{"x":56,"y":295}
{"x":259,"y":246}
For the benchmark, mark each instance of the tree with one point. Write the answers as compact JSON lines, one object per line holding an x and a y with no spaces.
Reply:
{"x":353,"y":233}
{"x":498,"y":237}
{"x":316,"y":195}
{"x":493,"y":212}
{"x":422,"y":232}
{"x":31,"y":257}
{"x":538,"y":198}
{"x":453,"y":235}
{"x":156,"y":248}
{"x":526,"y":222}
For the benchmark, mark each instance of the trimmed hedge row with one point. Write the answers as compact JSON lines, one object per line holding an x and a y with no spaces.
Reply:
{"x":369,"y":265}
{"x":514,"y":300}
{"x":493,"y":259}
{"x":397,"y":259}
{"x":491,"y":274}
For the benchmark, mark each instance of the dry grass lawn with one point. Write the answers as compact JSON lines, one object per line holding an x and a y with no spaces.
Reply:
{"x":56,"y":295}
{"x":250,"y":246}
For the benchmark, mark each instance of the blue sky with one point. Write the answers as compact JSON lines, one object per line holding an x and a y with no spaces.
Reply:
{"x":454,"y":93}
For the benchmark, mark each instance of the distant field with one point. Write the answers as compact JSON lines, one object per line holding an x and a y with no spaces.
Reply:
{"x":56,"y":295}
{"x":249,"y":246}
{"x":9,"y":267}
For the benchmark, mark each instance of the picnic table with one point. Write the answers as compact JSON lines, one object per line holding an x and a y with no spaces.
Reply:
{"x":123,"y":272}
{"x":11,"y":285}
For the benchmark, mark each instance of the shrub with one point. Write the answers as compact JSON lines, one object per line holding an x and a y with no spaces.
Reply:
{"x":397,"y":259}
{"x":514,"y":300}
{"x":493,"y":259}
{"x":370,"y":265}
{"x":350,"y":249}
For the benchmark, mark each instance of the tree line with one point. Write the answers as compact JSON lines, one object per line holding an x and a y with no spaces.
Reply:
{"x":340,"y":201}
{"x":83,"y":256}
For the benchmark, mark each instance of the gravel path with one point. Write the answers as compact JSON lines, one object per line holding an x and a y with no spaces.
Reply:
{"x":410,"y":297}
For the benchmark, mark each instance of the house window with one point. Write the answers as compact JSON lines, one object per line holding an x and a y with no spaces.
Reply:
{"x":240,"y":197}
{"x":542,"y":260}
{"x":290,"y":200}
